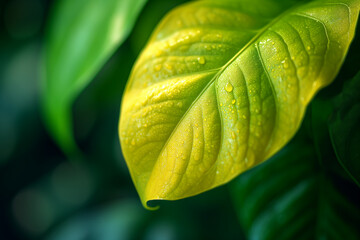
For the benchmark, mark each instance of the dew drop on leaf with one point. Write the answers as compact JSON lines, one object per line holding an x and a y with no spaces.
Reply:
{"x":168,"y":66}
{"x":233,"y":135}
{"x":201,"y":60}
{"x":157,"y":67}
{"x":285,"y":63}
{"x":229,"y":87}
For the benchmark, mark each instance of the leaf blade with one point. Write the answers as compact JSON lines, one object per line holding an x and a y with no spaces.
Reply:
{"x":343,"y":128}
{"x":313,"y":204}
{"x":245,"y":112}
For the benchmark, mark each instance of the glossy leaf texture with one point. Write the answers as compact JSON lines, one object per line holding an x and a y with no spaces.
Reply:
{"x":223,"y":85}
{"x":344,"y":128}
{"x":301,"y":201}
{"x":81,"y":37}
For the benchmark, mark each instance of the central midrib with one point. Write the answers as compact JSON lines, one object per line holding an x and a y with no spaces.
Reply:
{"x":221,"y":70}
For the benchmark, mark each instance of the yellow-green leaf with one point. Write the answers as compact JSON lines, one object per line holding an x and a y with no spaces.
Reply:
{"x":223,"y":85}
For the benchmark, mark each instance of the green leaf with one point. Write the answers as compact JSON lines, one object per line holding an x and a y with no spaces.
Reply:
{"x":345,"y":130}
{"x":81,"y":37}
{"x":222,"y":86}
{"x":299,"y":201}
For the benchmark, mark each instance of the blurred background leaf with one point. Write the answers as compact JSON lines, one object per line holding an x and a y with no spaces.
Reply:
{"x":82,"y":35}
{"x":292,"y":197}
{"x":344,"y":128}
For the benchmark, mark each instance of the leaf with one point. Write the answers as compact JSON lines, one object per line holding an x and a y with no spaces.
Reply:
{"x":344,"y":128}
{"x":81,"y":37}
{"x":222,"y":86}
{"x":300,"y":201}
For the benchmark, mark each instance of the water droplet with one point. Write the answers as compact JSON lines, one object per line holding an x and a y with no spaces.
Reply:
{"x":133,"y":142}
{"x":157,"y":67}
{"x":201,"y":60}
{"x":272,"y":43}
{"x":145,"y":125}
{"x":308,"y":47}
{"x":168,"y":66}
{"x":233,"y":136}
{"x":229,"y":87}
{"x":179,"y":23}
{"x":158,"y":53}
{"x":285,"y":63}
{"x":221,"y":104}
{"x":179,"y":104}
{"x":233,"y":101}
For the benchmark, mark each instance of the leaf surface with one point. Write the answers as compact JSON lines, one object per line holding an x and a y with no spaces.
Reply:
{"x":344,"y":128}
{"x":81,"y":37}
{"x":301,"y":201}
{"x":222,"y":86}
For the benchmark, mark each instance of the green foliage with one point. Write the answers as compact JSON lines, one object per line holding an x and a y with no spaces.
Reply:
{"x":294,"y":196}
{"x":222,"y":86}
{"x":345,"y":130}
{"x":81,"y":37}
